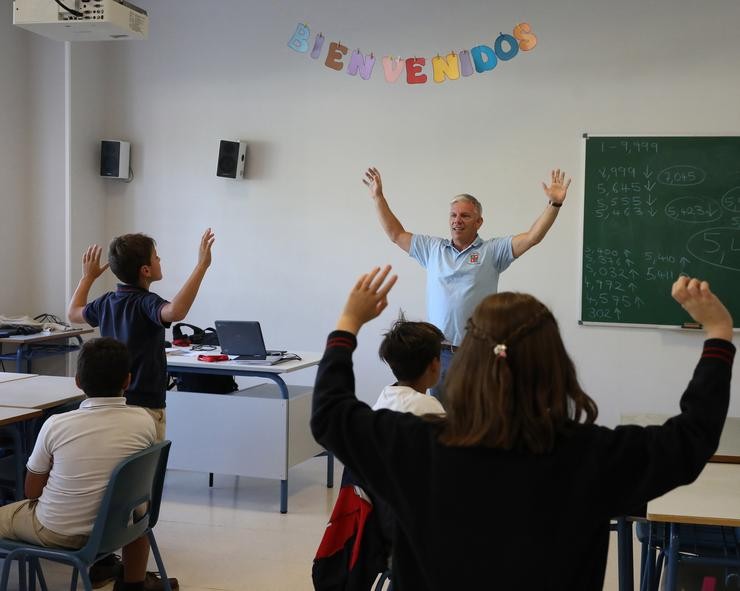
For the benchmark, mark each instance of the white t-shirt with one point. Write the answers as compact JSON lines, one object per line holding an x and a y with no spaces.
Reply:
{"x":79,"y":450}
{"x":405,"y":399}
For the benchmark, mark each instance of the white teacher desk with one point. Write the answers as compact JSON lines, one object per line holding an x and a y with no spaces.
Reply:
{"x":261,"y":432}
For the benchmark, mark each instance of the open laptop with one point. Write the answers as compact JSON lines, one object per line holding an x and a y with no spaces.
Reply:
{"x":243,"y":338}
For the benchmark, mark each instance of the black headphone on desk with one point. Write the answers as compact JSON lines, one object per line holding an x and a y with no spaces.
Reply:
{"x":200,"y":336}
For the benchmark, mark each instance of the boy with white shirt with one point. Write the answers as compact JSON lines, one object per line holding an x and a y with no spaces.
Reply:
{"x":74,"y":456}
{"x":412,"y":350}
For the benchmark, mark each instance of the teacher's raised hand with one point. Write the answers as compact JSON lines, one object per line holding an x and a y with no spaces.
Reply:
{"x":558,"y":188}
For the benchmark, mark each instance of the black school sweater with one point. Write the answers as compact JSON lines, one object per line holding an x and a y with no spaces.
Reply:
{"x":481,"y":518}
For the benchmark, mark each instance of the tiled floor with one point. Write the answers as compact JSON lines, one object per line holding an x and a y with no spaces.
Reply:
{"x":232,"y":537}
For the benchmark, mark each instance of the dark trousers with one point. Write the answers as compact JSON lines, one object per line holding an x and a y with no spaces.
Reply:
{"x":438,"y":390}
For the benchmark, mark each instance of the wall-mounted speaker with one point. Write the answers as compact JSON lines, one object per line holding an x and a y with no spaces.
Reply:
{"x":114,"y":159}
{"x":232,"y":158}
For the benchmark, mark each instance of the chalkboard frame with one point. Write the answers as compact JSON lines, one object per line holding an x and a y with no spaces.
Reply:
{"x":688,"y":326}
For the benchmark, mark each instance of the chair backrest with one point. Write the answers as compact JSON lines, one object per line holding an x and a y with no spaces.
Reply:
{"x":136,"y":482}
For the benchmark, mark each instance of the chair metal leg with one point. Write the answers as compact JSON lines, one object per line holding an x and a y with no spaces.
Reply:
{"x":86,"y":579}
{"x":31,"y":574}
{"x":22,"y":570}
{"x":626,"y":566}
{"x":658,"y":571}
{"x":672,"y":560}
{"x":73,"y":583}
{"x":40,"y":573}
{"x":329,"y":470}
{"x":382,"y":580}
{"x":284,"y":496}
{"x":158,"y":560}
{"x":5,"y":574}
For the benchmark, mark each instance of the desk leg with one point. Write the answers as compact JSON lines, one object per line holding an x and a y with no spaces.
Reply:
{"x":329,"y":470}
{"x":624,"y":552}
{"x":284,"y":496}
{"x":671,"y":569}
{"x":21,"y":365}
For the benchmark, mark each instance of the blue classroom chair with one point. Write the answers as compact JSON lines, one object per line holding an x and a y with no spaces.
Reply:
{"x":699,"y":544}
{"x":137,"y":480}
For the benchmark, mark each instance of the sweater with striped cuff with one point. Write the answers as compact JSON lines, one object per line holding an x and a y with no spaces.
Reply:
{"x":475,"y":517}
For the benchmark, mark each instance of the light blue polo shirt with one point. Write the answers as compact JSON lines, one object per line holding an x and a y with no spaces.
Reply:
{"x":458,"y":281}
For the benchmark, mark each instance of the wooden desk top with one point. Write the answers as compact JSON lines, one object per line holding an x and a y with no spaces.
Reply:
{"x":729,"y":442}
{"x":6,"y":376}
{"x":713,"y":499}
{"x":40,"y":337}
{"x":14,"y":414}
{"x":188,"y":359}
{"x":39,"y":392}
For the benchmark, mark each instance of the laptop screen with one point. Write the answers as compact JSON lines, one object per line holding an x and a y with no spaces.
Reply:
{"x":241,"y":337}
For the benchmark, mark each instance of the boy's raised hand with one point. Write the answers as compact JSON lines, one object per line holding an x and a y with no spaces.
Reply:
{"x":367,"y":299}
{"x":204,"y":252}
{"x":91,"y":267}
{"x":698,"y":300}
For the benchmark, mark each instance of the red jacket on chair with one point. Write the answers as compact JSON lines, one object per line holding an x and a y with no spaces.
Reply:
{"x":352,"y":552}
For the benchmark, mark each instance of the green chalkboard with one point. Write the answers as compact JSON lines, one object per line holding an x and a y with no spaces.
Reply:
{"x":657,"y":207}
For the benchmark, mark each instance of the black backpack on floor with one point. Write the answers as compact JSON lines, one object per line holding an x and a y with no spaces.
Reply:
{"x":203,"y":382}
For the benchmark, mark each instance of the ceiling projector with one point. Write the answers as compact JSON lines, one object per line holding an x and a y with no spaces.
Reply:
{"x":82,"y":20}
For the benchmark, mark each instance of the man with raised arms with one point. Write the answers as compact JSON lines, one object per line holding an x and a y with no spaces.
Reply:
{"x":463,"y":269}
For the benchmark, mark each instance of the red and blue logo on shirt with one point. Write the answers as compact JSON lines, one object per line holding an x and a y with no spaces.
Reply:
{"x":474,"y":258}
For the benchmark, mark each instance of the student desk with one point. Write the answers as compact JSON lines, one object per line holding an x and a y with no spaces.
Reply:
{"x":728,"y":452}
{"x":41,"y":344}
{"x":261,"y":432}
{"x":6,"y":376}
{"x":42,"y":393}
{"x":712,"y":499}
{"x":13,"y":414}
{"x":39,"y":392}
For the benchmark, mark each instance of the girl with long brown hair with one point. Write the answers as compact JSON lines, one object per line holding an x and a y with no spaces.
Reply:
{"x":515,"y":487}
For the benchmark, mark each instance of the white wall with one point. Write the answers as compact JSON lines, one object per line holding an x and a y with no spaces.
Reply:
{"x":294,"y":235}
{"x":44,"y":236}
{"x":32,"y":169}
{"x":87,"y":114}
{"x":14,"y":120}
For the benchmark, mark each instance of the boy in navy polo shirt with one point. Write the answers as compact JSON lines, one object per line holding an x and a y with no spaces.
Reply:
{"x":136,"y":316}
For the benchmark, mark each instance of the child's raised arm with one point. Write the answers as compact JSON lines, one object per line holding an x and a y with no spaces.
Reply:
{"x":367,"y":299}
{"x":698,"y":300}
{"x":91,"y":270}
{"x":180,"y":305}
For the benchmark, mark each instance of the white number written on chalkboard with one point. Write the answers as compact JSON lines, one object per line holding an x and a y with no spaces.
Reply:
{"x":681,"y":175}
{"x":618,"y":172}
{"x":622,"y":206}
{"x":653,"y":274}
{"x":731,"y":200}
{"x":630,"y":146}
{"x":719,"y":247}
{"x":694,"y":210}
{"x":618,"y":187}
